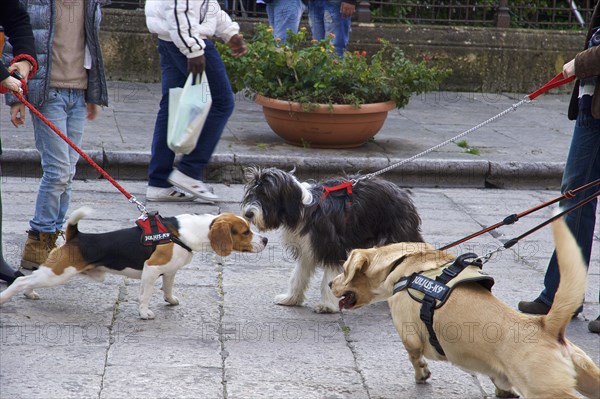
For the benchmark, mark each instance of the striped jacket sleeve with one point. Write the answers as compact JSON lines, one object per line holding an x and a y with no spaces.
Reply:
{"x":183,"y":18}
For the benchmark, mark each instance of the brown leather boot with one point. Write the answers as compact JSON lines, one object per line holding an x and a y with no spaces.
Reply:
{"x":37,"y":248}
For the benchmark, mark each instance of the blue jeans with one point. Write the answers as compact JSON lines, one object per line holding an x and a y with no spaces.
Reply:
{"x":284,"y":15}
{"x":66,"y":109}
{"x":174,"y":72}
{"x":582,"y":166}
{"x":324,"y":18}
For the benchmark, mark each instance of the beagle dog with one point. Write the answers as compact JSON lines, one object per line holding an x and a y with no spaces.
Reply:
{"x":123,"y":252}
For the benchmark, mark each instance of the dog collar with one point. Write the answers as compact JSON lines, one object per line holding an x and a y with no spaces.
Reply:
{"x":396,"y":263}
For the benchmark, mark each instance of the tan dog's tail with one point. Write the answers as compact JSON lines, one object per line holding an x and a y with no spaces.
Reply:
{"x":573,"y":274}
{"x":75,"y":217}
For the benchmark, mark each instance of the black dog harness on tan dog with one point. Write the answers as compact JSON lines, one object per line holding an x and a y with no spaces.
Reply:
{"x":433,"y":287}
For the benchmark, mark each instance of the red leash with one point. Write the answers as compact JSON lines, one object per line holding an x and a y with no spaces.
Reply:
{"x":556,"y":81}
{"x":153,"y":230}
{"x":108,"y":177}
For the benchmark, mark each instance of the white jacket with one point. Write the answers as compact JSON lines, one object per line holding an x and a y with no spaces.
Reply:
{"x":179,"y":21}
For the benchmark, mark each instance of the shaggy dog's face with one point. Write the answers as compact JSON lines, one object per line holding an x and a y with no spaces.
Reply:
{"x":273,"y":198}
{"x":366,"y":271}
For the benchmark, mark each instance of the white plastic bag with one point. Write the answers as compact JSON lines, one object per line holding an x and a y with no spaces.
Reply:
{"x":188,"y":109}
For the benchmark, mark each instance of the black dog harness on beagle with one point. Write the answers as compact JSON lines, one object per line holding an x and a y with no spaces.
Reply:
{"x":154,"y":231}
{"x":433,"y":287}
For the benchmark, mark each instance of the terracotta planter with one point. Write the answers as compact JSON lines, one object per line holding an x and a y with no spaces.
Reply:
{"x":338,"y":126}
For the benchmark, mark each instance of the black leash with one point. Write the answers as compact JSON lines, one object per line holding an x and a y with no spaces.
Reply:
{"x":511,"y":219}
{"x":581,"y":203}
{"x":513,"y":241}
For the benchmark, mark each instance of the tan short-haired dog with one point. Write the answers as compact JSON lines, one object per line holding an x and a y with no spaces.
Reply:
{"x":122,"y":252}
{"x":540,"y":362}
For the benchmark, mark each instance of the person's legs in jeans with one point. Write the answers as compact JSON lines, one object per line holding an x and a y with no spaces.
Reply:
{"x":325,"y":18}
{"x":582,"y":166}
{"x":66,"y":109}
{"x":193,"y":164}
{"x":316,"y":21}
{"x":284,"y":15}
{"x":173,"y":66}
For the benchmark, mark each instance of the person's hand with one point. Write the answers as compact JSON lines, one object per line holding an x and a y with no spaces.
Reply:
{"x":92,"y":111}
{"x":17,"y":114}
{"x":196,"y":65}
{"x":569,"y":69}
{"x":237,"y":46}
{"x":12,"y":84}
{"x":347,"y":9}
{"x":24,"y":67}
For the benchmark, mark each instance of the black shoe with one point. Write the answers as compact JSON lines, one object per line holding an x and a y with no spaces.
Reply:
{"x":594,"y":326}
{"x":539,"y":307}
{"x":7,"y":273}
{"x":535,"y":307}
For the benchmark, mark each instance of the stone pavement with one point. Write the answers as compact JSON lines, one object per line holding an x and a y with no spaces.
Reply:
{"x":526,"y":148}
{"x":227,"y":339}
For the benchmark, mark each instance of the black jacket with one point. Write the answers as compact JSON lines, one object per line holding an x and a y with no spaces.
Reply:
{"x":15,"y":21}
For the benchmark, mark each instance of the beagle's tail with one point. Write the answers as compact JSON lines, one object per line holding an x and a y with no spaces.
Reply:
{"x":75,"y":217}
{"x":573,"y":275}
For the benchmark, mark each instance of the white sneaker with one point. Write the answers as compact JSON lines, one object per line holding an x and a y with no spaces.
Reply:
{"x":167,"y":194}
{"x":195,"y":187}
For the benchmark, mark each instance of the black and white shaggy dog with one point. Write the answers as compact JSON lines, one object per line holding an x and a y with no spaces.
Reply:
{"x":325,"y":228}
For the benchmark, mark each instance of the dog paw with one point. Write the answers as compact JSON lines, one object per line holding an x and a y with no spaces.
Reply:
{"x":146,"y":314}
{"x":324,"y":308}
{"x":287,"y":300}
{"x":173,"y":301}
{"x":501,"y":393}
{"x":422,"y":375}
{"x":32,"y":295}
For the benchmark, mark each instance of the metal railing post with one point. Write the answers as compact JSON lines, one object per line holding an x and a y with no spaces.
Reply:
{"x":502,"y":16}
{"x":364,"y":11}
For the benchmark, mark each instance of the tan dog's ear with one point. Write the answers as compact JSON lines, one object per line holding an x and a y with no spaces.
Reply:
{"x":355,"y":263}
{"x":220,"y":238}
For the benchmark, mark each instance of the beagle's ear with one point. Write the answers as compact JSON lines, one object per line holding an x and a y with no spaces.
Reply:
{"x":220,"y":238}
{"x":357,"y":261}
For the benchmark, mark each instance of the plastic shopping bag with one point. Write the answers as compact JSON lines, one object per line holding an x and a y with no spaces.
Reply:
{"x":188,"y":109}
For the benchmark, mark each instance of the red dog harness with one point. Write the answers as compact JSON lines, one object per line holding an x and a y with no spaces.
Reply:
{"x":345,"y":185}
{"x":154,"y":231}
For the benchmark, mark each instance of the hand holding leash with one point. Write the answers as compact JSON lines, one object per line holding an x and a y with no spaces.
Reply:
{"x":18,"y":85}
{"x":15,"y":83}
{"x":23,"y":67}
{"x":569,"y":69}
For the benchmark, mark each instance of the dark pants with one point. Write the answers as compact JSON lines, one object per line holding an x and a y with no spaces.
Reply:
{"x":173,"y":65}
{"x":582,"y":166}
